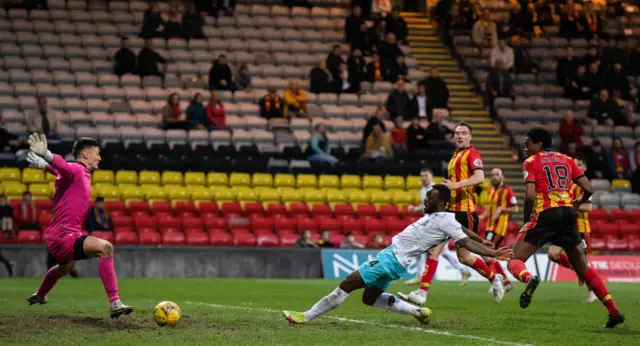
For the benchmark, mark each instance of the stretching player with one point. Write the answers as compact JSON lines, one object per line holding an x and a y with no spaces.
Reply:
{"x":551,"y":218}
{"x":556,"y":253}
{"x":502,"y":203}
{"x":63,"y":236}
{"x":391,"y":263}
{"x":465,"y":172}
{"x":426,"y":176}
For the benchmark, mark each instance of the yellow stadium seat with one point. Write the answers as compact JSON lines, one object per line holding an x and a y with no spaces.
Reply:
{"x":349,"y":181}
{"x":329,"y":181}
{"x":109,"y":192}
{"x":155,"y":194}
{"x":314,"y":195}
{"x":357,"y":196}
{"x":306,"y":180}
{"x":438,"y":180}
{"x":247,"y":195}
{"x":49,"y":177}
{"x":149,"y":178}
{"x":171,"y":178}
{"x":9,"y":174}
{"x":402,"y":198}
{"x":223,"y":194}
{"x":394,"y":182}
{"x":284,"y":180}
{"x":40,"y":190}
{"x":372,"y":182}
{"x":202,"y":194}
{"x":194,"y":178}
{"x":126,"y":177}
{"x":290,"y":194}
{"x":335,"y":195}
{"x":620,"y":185}
{"x":32,"y":175}
{"x":217,"y":179}
{"x":414,"y":182}
{"x":262,"y":179}
{"x":379,"y":196}
{"x":131,"y":192}
{"x":268,"y":195}
{"x":102,"y":177}
{"x":1,"y":189}
{"x":239,"y":179}
{"x":176,"y":192}
{"x":14,"y":188}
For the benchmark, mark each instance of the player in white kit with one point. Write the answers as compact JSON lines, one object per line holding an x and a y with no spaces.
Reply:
{"x":391,"y":264}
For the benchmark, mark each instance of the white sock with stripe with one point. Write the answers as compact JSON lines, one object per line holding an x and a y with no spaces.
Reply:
{"x":326,"y":304}
{"x":391,"y":303}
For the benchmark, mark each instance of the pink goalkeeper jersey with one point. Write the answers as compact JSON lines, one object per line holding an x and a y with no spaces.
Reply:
{"x":71,"y":199}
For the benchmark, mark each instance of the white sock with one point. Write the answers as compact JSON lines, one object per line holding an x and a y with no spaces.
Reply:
{"x":453,"y":260}
{"x":391,"y":303}
{"x":326,"y":304}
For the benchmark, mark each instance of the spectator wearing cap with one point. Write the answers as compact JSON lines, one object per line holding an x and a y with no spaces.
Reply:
{"x":216,"y":117}
{"x":124,"y":61}
{"x":378,"y":145}
{"x":484,"y":32}
{"x":319,"y":151}
{"x":598,"y":162}
{"x":570,"y":131}
{"x":398,"y":101}
{"x":271,"y":105}
{"x":295,"y":100}
{"x":567,"y":67}
{"x":149,"y":61}
{"x":397,"y":25}
{"x":43,"y":119}
{"x":437,"y":89}
{"x":352,"y":25}
{"x":619,"y":160}
{"x":220,"y":76}
{"x":98,"y":218}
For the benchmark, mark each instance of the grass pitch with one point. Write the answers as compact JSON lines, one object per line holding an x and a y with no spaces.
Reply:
{"x":246,"y":311}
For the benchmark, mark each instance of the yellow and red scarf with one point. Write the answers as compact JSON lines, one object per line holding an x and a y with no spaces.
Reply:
{"x":268,"y":101}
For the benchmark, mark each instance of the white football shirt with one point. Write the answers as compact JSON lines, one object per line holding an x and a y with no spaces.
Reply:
{"x":422,"y":235}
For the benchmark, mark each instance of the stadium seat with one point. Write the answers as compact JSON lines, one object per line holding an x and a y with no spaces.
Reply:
{"x":217,"y":179}
{"x":262,"y":223}
{"x":239,"y":179}
{"x":129,"y":192}
{"x":215,"y":222}
{"x":397,"y":226}
{"x":149,"y":177}
{"x":303,"y":224}
{"x":609,"y":229}
{"x":627,"y":228}
{"x":160,"y":207}
{"x":155,"y":194}
{"x":40,"y":191}
{"x":357,"y":197}
{"x":149,"y":238}
{"x":313,"y":195}
{"x":288,"y":239}
{"x":635,"y":215}
{"x":379,"y":197}
{"x":262,"y":179}
{"x":388,"y":211}
{"x":394,"y":182}
{"x":122,"y":221}
{"x":106,"y":235}
{"x":413,"y":183}
{"x":244,"y":239}
{"x":351,"y":225}
{"x":349,"y":181}
{"x":329,"y":181}
{"x":253,"y":209}
{"x":184,"y":208}
{"x":285,"y":224}
{"x":218,"y":238}
{"x":126,"y":238}
{"x":284,"y":180}
{"x":372,"y":182}
{"x":32,"y":175}
{"x":29,"y":237}
{"x":402,"y":198}
{"x":297,"y":208}
{"x":366,"y":211}
{"x":46,"y":204}
{"x":290,"y":194}
{"x":244,"y":194}
{"x":634,"y":243}
{"x":620,"y":185}
{"x":598,"y":243}
{"x":320,"y":210}
{"x":208,"y":209}
{"x":201,"y":194}
{"x":135,"y":206}
{"x":335,"y":195}
{"x":618,"y":215}
{"x":223,"y":194}
{"x":330,"y":225}
{"x":343,"y":210}
{"x":268,"y":240}
{"x":198,"y":239}
{"x":171,"y":178}
{"x":268,"y":195}
{"x":374,"y":226}
{"x":126,"y":177}
{"x":598,"y":214}
{"x":191,"y":222}
{"x":616,"y":244}
{"x":231,"y":208}
{"x":306,"y":181}
{"x":276,"y":209}
{"x":10,"y":174}
{"x":194,"y":178}
{"x":172,"y":236}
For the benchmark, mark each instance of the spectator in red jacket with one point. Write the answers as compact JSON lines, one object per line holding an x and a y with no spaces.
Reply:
{"x":570,"y":131}
{"x":26,"y":215}
{"x":399,"y":136}
{"x":216,"y":117}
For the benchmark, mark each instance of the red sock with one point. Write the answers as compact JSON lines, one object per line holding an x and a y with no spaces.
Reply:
{"x":597,"y":286}
{"x":497,"y":268}
{"x":483,"y":269}
{"x":563,"y":260}
{"x":427,"y":274}
{"x":519,"y":271}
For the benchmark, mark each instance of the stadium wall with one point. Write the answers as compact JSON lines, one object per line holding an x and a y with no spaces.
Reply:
{"x":182,"y":262}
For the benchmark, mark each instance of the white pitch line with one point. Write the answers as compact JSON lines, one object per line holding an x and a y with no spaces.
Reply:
{"x":394,"y":326}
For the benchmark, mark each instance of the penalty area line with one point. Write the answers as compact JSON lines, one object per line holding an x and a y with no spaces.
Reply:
{"x":377,"y":324}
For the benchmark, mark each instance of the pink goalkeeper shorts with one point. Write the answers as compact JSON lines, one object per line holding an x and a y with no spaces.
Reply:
{"x":67,"y":248}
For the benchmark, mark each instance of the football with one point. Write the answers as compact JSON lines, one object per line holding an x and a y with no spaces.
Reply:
{"x":166,"y":314}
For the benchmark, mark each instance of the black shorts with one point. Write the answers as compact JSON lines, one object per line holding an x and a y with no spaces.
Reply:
{"x":78,"y":252}
{"x":467,"y":219}
{"x":556,"y":225}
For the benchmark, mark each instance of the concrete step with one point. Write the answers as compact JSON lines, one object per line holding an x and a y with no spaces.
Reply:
{"x":406,"y":15}
{"x":421,"y":50}
{"x":417,"y":26}
{"x":421,"y":38}
{"x":428,"y":44}
{"x":466,"y":113}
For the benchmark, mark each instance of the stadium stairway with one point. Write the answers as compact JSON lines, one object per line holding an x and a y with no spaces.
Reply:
{"x":465,"y":104}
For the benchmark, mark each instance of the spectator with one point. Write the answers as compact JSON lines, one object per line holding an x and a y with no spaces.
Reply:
{"x":319,"y":151}
{"x":603,"y":110}
{"x":421,"y":104}
{"x":220,"y":77}
{"x":228,"y":7}
{"x":26,"y":215}
{"x":243,"y":77}
{"x":621,"y":55}
{"x":499,"y":82}
{"x":378,"y":145}
{"x":376,"y":119}
{"x":501,"y":56}
{"x":592,"y":55}
{"x":634,"y":60}
{"x":216,"y":117}
{"x":617,"y":80}
{"x":98,"y":218}
{"x":612,"y":25}
{"x":595,"y":78}
{"x":572,"y":150}
{"x":598,"y":162}
{"x":530,"y":21}
{"x":192,"y":23}
{"x":389,"y":50}
{"x":570,"y":132}
{"x":592,"y":30}
{"x":320,"y":79}
{"x":437,"y":89}
{"x":196,"y":113}
{"x":325,"y":240}
{"x":634,"y":158}
{"x":567,"y":67}
{"x":333,"y":62}
{"x":577,"y":88}
{"x":6,"y":221}
{"x":348,"y":83}
{"x":505,"y":28}
{"x":305,"y":240}
{"x":148,"y":60}
{"x":357,"y":66}
{"x":352,"y":25}
{"x":124,"y":59}
{"x":295,"y":100}
{"x":619,"y":164}
{"x":42,"y":119}
{"x":437,"y":131}
{"x":398,"y":70}
{"x":152,"y":24}
{"x":397,"y":25}
{"x":398,"y":101}
{"x":572,"y":24}
{"x":172,"y":118}
{"x":271,"y":105}
{"x":375,"y":70}
{"x":523,"y":62}
{"x":377,"y":242}
{"x":416,"y":136}
{"x":399,"y":137}
{"x":173,"y":27}
{"x":366,"y":40}
{"x":484,"y":32}
{"x":350,"y":242}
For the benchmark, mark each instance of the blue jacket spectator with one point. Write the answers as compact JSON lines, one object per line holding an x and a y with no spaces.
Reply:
{"x":196,"y":113}
{"x":319,"y":147}
{"x":98,"y":218}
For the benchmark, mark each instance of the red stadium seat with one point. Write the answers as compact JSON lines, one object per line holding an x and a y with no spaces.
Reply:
{"x":288,"y":239}
{"x":397,"y":226}
{"x":123,"y":229}
{"x":149,"y":238}
{"x":161,"y":207}
{"x":244,"y":239}
{"x":215,"y":222}
{"x":276,"y":209}
{"x":197,"y":239}
{"x":123,"y":221}
{"x":231,"y":208}
{"x":616,"y":244}
{"x":406,"y":213}
{"x":298,"y":209}
{"x":146,"y":230}
{"x":363,"y":238}
{"x":366,"y":210}
{"x":126,"y":238}
{"x":139,"y":205}
{"x":307,"y":224}
{"x":139,"y":213}
{"x":268,"y":240}
{"x":252,"y":209}
{"x":634,"y":243}
{"x":285,"y":224}
{"x":374,"y":226}
{"x":629,"y":228}
{"x":411,"y":219}
{"x":163,"y":214}
{"x":239,"y":224}
{"x":220,"y":238}
{"x":598,"y":243}
{"x":336,"y":239}
{"x":46,"y":204}
{"x":320,"y":210}
{"x":617,"y":215}
{"x":343,"y":210}
{"x":146,"y":222}
{"x":262,"y":231}
{"x":635,"y":215}
{"x":389,"y":211}
{"x":185,"y":207}
{"x":172,"y":236}
{"x":329,"y":224}
{"x":169,"y":222}
{"x":106,"y":235}
{"x":117,"y":213}
{"x":192,"y":222}
{"x":208,"y":208}
{"x":115,"y":206}
{"x":351,"y":225}
{"x":513,"y":227}
{"x":188,"y":231}
{"x":45,"y":219}
{"x":609,"y":229}
{"x":261,"y":223}
{"x":598,"y":214}
{"x":281,"y":232}
{"x":29,"y":237}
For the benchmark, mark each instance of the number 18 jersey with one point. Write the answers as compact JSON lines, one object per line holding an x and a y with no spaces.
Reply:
{"x":552,"y":174}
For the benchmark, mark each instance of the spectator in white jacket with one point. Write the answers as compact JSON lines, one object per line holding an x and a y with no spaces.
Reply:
{"x":42,"y":119}
{"x":503,"y":53}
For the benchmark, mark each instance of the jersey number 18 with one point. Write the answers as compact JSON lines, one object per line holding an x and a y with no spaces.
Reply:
{"x":561,"y":179}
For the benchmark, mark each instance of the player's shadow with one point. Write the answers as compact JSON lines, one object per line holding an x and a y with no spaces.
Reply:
{"x":101,"y":322}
